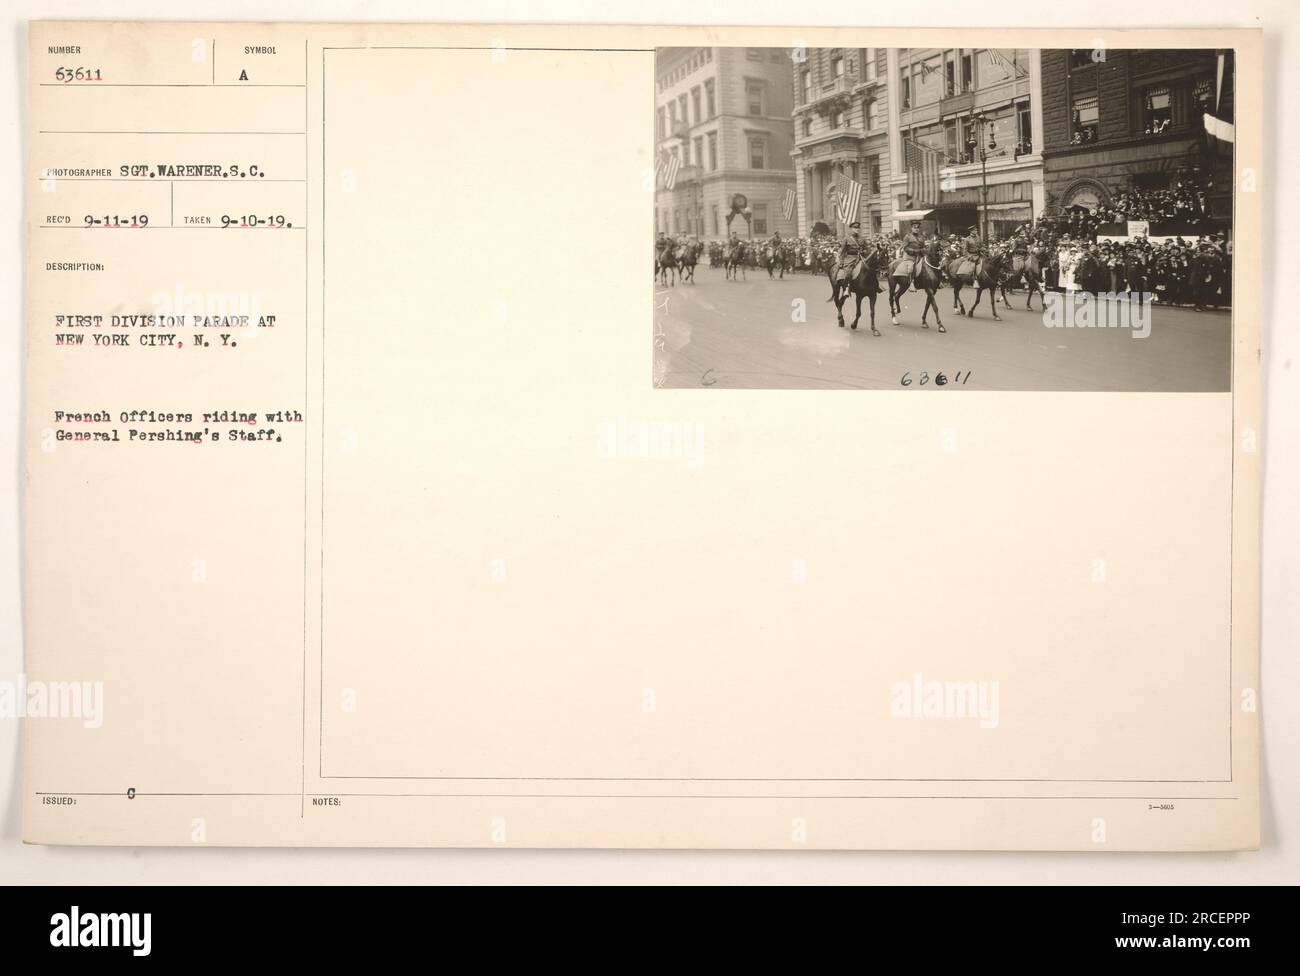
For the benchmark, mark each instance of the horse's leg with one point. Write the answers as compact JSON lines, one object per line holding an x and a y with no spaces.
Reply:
{"x":857,"y":311}
{"x":934,"y":301}
{"x":871,"y":302}
{"x":838,"y":298}
{"x":994,"y":309}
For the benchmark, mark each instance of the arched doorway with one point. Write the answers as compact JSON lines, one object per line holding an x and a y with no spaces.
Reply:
{"x":1085,"y":193}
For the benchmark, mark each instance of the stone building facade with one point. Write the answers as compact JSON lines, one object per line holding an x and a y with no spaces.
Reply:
{"x":1121,"y":119}
{"x":841,"y":119}
{"x":725,"y":113}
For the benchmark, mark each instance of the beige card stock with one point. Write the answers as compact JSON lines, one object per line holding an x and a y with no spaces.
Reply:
{"x":358,"y":512}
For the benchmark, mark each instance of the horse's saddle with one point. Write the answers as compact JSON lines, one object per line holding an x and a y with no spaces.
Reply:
{"x":905,"y":265}
{"x":966,"y":266}
{"x":849,"y":271}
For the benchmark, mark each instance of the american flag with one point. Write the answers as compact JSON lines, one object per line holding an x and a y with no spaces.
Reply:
{"x":1010,"y":66}
{"x":923,"y":164}
{"x":668,"y":164}
{"x":787,"y":204}
{"x":850,"y":195}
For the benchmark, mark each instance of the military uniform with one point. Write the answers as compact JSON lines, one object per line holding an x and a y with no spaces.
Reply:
{"x":914,"y":248}
{"x":735,"y":246}
{"x":852,"y":250}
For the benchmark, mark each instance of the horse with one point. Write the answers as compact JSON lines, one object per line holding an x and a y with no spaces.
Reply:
{"x":866,"y":283}
{"x":734,"y":258}
{"x":929,"y":277}
{"x":772,"y":257}
{"x":1029,"y":267}
{"x":984,"y":273}
{"x":688,"y":255}
{"x":666,"y":261}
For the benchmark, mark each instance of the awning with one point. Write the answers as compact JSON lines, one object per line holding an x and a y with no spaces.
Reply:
{"x":912,"y":214}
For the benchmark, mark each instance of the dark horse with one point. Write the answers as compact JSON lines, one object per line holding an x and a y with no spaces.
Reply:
{"x":928,"y":279}
{"x":984,"y":273}
{"x":1029,"y":267}
{"x":866,"y":283}
{"x":688,"y":255}
{"x":734,"y":258}
{"x":773,"y":257}
{"x":665,"y":262}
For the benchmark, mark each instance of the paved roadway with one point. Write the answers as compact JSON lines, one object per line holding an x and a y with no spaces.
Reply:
{"x":719,"y":333}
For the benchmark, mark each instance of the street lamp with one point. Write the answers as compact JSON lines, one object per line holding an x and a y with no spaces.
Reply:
{"x":976,"y":145}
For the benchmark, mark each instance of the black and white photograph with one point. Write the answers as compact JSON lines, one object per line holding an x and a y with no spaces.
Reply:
{"x":984,"y":218}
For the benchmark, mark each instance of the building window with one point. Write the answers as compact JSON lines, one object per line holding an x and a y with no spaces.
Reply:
{"x":807,"y":125}
{"x":949,"y":77}
{"x":1083,"y":120}
{"x":699,"y":150}
{"x":716,"y":226}
{"x":681,"y":105}
{"x":967,"y":143}
{"x":1080,"y":57}
{"x":837,"y":67}
{"x":875,"y":223}
{"x":967,"y":72}
{"x":869,"y":120}
{"x":757,"y":152}
{"x":713,"y":150}
{"x":754,"y":97}
{"x":1157,"y":111}
{"x":695,"y":103}
{"x":1203,"y":98}
{"x":837,"y":119}
{"x":760,"y":218}
{"x":661,"y":125}
{"x":805,"y":86}
{"x":672,"y":116}
{"x":677,"y":218}
{"x":871,"y":64}
{"x":905,"y":91}
{"x":1024,"y":130}
{"x":708,"y":98}
{"x":873,"y":174}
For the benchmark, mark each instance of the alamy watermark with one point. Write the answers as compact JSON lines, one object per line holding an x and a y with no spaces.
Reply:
{"x":919,"y":698}
{"x":625,"y":437}
{"x":1105,"y":310}
{"x":53,"y":699}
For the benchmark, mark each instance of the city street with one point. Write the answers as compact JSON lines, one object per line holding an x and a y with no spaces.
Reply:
{"x":746,"y":334}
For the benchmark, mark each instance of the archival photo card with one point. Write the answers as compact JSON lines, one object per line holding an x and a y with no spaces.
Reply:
{"x":970,"y":217}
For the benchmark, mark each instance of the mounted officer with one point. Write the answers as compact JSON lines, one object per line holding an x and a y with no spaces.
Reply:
{"x":914,"y":247}
{"x":852,"y":250}
{"x":735,"y":246}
